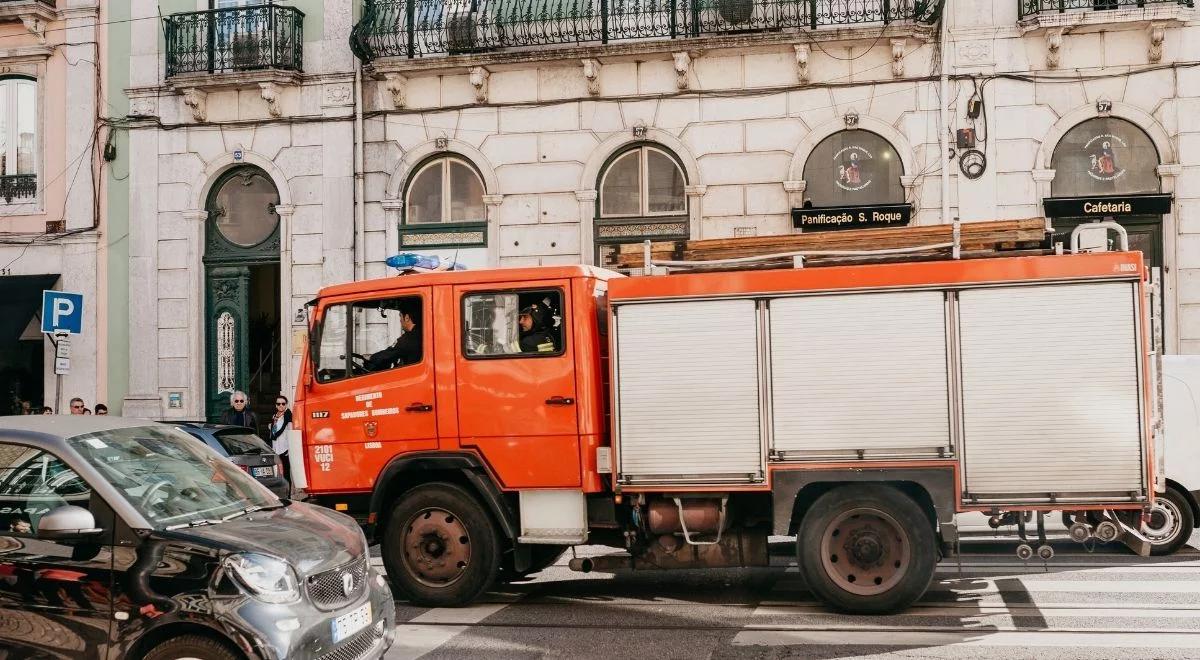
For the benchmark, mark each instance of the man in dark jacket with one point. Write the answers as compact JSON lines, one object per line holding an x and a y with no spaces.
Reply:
{"x":406,"y":350}
{"x":239,"y":414}
{"x":535,"y":338}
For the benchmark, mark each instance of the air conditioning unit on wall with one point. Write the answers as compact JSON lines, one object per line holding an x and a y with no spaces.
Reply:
{"x":462,"y":31}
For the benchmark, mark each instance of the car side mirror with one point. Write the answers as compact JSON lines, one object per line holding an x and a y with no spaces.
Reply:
{"x":67,"y":522}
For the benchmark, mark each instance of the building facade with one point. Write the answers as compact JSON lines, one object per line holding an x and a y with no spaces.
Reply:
{"x":300,"y":143}
{"x":53,"y":230}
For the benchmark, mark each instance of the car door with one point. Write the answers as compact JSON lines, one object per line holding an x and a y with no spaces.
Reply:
{"x":361,"y":413}
{"x":516,"y":391}
{"x":55,"y":595}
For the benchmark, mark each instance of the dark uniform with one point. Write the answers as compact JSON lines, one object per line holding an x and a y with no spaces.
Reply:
{"x":538,"y":339}
{"x":406,"y":350}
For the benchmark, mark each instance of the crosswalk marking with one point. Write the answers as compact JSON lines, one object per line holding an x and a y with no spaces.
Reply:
{"x":430,"y":630}
{"x":969,"y":638}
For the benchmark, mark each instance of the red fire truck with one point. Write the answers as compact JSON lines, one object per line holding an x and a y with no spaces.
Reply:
{"x":684,"y":418}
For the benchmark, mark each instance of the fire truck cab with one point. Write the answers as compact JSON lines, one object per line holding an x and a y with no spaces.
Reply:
{"x":478,"y":423}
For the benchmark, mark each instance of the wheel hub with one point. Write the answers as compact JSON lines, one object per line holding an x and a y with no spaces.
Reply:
{"x":437,"y":547}
{"x":865,"y":551}
{"x":865,"y":548}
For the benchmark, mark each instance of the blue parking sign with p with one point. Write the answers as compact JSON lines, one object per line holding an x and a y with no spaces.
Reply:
{"x":62,"y":311}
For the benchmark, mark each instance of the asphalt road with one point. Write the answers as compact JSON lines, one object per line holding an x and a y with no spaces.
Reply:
{"x":1104,"y":604}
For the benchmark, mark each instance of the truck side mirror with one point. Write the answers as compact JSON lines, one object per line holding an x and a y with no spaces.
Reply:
{"x":66,"y":523}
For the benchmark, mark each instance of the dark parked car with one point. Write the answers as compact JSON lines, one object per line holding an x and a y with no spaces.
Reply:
{"x":245,"y":449}
{"x":123,"y":538}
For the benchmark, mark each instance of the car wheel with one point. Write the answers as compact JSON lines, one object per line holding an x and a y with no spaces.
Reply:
{"x":198,"y":647}
{"x":1169,"y":525}
{"x":440,"y":547}
{"x":867,"y":549}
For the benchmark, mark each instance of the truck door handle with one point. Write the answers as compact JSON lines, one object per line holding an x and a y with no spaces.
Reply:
{"x":560,"y":401}
{"x":419,"y":407}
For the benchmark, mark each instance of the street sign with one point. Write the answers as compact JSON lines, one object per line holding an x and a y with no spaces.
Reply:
{"x":62,"y":311}
{"x":62,"y":352}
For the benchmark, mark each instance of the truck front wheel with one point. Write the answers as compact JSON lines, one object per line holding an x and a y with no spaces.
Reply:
{"x":439,"y":546}
{"x":867,"y":549}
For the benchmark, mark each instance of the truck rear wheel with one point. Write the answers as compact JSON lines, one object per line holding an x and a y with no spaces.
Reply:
{"x":439,"y":547}
{"x":867,"y":549}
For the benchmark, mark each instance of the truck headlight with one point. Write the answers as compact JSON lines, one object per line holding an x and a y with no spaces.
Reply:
{"x":267,"y":578}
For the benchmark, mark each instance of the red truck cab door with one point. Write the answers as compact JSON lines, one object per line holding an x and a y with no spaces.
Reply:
{"x":516,"y":381}
{"x":372,"y":391}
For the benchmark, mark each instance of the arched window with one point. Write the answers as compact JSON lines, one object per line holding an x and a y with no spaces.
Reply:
{"x":1104,"y":156}
{"x":445,"y":190}
{"x":443,"y":205}
{"x":641,"y":196}
{"x":854,"y":168}
{"x":18,"y":139}
{"x":242,"y":207}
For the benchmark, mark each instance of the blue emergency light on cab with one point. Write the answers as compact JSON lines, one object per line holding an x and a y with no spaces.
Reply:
{"x":409,"y":261}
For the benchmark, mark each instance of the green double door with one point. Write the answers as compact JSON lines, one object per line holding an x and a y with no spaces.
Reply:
{"x":242,"y":299}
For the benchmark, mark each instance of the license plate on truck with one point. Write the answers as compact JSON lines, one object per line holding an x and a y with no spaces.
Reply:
{"x":348,"y":624}
{"x":264,"y":471}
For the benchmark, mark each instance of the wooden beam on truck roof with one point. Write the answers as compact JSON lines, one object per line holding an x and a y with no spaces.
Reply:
{"x":974,"y":236}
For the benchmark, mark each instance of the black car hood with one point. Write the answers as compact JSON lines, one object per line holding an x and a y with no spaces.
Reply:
{"x":311,"y":538}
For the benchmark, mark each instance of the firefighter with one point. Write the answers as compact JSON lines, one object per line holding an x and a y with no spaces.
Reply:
{"x":406,"y":350}
{"x":535,"y":337}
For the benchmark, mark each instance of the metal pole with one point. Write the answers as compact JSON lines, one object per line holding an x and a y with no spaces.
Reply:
{"x":58,"y":394}
{"x":603,"y":21}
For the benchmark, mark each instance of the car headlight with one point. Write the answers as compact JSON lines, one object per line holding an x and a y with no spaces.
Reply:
{"x":267,"y":578}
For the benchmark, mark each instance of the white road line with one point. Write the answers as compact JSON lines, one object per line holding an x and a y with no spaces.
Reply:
{"x":968,"y":638}
{"x":978,"y":612}
{"x":1020,"y":584}
{"x":414,"y":640}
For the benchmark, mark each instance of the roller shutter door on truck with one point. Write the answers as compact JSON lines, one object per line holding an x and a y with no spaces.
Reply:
{"x":860,"y":373}
{"x":687,"y":382}
{"x":1051,"y":397}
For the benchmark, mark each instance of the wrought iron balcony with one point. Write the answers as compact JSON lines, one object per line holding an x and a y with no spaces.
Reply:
{"x":18,"y":186}
{"x":236,"y":39}
{"x":1036,"y":7}
{"x":415,"y":28}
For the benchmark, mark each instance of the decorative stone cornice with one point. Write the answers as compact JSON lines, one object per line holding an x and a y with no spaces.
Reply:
{"x":479,"y":80}
{"x":586,"y":195}
{"x":493,"y":200}
{"x":591,"y":72}
{"x":396,"y":86}
{"x":683,"y":62}
{"x":795,"y":186}
{"x":270,"y":93}
{"x":696,"y":190}
{"x":197,"y":100}
{"x":1169,"y":169}
{"x":898,"y":57}
{"x":802,"y":54}
{"x":393,"y":204}
{"x":195,"y":215}
{"x":1043,"y":175}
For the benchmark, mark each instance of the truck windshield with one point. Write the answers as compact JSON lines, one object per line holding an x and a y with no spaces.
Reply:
{"x":168,"y":477}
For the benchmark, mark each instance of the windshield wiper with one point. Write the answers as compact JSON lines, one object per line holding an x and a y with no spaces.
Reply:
{"x":195,"y":523}
{"x":251,"y":509}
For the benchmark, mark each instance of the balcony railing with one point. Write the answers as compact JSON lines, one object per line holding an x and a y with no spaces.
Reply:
{"x":1036,"y":7}
{"x":415,"y":28}
{"x":235,"y":39}
{"x":18,"y":186}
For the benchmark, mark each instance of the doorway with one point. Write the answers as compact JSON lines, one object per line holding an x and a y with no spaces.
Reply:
{"x":22,"y":345}
{"x":243,"y":333}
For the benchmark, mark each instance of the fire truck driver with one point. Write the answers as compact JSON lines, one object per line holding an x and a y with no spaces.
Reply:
{"x":406,"y":350}
{"x":535,"y":338}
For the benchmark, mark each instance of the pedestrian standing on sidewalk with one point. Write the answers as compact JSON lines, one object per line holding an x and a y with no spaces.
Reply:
{"x":239,"y":413}
{"x":101,"y":409}
{"x":77,"y":406}
{"x":281,"y":423}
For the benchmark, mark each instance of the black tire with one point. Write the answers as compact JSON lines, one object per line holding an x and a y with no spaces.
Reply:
{"x":896,"y":555}
{"x":449,"y":566}
{"x":1168,"y":541}
{"x":192,"y":646}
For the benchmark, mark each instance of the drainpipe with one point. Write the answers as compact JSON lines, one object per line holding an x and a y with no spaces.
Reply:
{"x":360,"y":238}
{"x":944,"y":113}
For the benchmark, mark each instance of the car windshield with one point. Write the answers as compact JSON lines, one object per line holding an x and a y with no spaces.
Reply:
{"x":171,"y":479}
{"x":237,"y":442}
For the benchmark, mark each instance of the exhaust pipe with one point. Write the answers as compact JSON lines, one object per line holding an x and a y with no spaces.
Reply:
{"x":603,"y":563}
